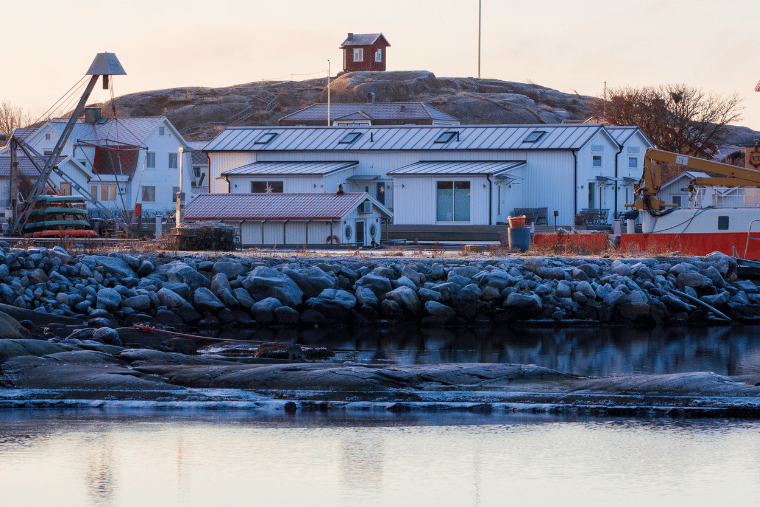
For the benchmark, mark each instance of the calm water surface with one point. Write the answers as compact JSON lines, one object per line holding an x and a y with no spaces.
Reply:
{"x":83,"y":459}
{"x":600,"y":351}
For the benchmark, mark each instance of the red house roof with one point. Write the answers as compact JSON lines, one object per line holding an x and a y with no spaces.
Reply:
{"x":304,"y":206}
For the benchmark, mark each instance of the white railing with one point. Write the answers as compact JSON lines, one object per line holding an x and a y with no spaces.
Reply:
{"x":725,"y":197}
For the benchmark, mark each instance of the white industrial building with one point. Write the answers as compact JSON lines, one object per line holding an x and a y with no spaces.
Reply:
{"x":438,"y":175}
{"x":294,"y":219}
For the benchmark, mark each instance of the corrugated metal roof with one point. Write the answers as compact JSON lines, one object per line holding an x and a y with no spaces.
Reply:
{"x":25,"y":166}
{"x":316,"y":206}
{"x":290,"y":168}
{"x":623,"y":134}
{"x":363,"y":39}
{"x":431,"y":168}
{"x":375,"y":111}
{"x":197,"y":155}
{"x":406,"y":137}
{"x":131,"y":131}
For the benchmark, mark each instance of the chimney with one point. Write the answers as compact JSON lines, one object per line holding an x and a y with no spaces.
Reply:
{"x":91,"y":114}
{"x":371,"y":98}
{"x":340,"y":189}
{"x":350,"y":36}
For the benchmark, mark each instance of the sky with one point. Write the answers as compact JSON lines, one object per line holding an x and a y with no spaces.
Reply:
{"x":571,"y":46}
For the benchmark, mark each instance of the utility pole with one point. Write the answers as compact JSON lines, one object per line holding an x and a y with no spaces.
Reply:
{"x":480,"y":5}
{"x":328,"y":93}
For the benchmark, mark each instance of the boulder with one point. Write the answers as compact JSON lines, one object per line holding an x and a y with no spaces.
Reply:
{"x":428,"y":295}
{"x":140,"y":303}
{"x":466,"y":301}
{"x":170,"y":299}
{"x":365,"y":296}
{"x":694,"y":280}
{"x":378,"y":284}
{"x":311,"y":281}
{"x":391,"y":310}
{"x":715,"y":277}
{"x":621,"y":268}
{"x":107,"y":335}
{"x":243,"y":297}
{"x":146,"y":267}
{"x":552,"y":273}
{"x":108,"y":299}
{"x":205,"y":301}
{"x":613,"y":297}
{"x":334,"y":304}
{"x":464,"y":271}
{"x":220,"y":283}
{"x":412,"y":274}
{"x":405,"y":282}
{"x":263,"y":311}
{"x":716,"y":300}
{"x":586,"y":289}
{"x":286,"y":315}
{"x":180,"y":288}
{"x":530,"y":303}
{"x":406,"y":299}
{"x":633,"y":305}
{"x":265,"y":283}
{"x":114,"y":266}
{"x":439,"y":311}
{"x":10,"y":328}
{"x":675,"y":303}
{"x":230,"y":269}
{"x":180,"y":272}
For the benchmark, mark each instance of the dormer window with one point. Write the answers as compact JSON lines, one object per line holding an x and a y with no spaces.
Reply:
{"x":265,"y":138}
{"x":445,"y":137}
{"x":358,"y":54}
{"x":350,"y":138}
{"x":534,"y":136}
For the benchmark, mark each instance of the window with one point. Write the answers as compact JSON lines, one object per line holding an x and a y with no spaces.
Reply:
{"x":350,"y":138}
{"x":534,"y":136}
{"x":48,"y":153}
{"x":65,"y":188}
{"x":677,"y":200}
{"x":197,"y":172}
{"x":175,"y":191}
{"x":453,"y":201}
{"x":108,"y":193}
{"x":597,"y":147}
{"x":722,"y":223}
{"x":150,"y":160}
{"x":161,"y":130}
{"x":633,"y":162}
{"x":359,"y":54}
{"x":148,"y":194}
{"x":380,"y":195}
{"x":633,"y":149}
{"x":47,"y":137}
{"x":266,"y":187}
{"x":597,"y":161}
{"x":265,"y":138}
{"x":94,"y":192}
{"x":379,"y":55}
{"x":446,"y":137}
{"x":172,"y":160}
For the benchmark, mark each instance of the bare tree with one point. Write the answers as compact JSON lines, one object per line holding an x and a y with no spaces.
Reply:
{"x":675,"y":117}
{"x":12,"y":117}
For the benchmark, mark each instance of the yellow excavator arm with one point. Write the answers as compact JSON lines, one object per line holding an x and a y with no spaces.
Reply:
{"x":651,"y":179}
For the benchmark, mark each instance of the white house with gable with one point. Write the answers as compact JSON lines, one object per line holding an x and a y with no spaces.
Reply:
{"x":122,"y":161}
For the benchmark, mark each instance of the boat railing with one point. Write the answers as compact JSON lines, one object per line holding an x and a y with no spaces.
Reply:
{"x":725,"y":197}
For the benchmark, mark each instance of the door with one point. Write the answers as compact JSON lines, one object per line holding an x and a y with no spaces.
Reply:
{"x":360,"y":232}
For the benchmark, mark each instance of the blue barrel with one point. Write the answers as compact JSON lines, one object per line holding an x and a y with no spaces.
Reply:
{"x":519,"y":238}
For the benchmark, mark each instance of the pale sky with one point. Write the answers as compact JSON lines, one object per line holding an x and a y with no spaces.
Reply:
{"x":567,"y":45}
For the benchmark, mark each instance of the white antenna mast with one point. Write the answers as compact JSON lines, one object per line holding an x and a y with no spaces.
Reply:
{"x":480,"y":5}
{"x":328,"y":93}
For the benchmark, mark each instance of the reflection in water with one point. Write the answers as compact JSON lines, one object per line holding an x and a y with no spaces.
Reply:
{"x":234,"y":458}
{"x":99,"y":474}
{"x":585,"y":351}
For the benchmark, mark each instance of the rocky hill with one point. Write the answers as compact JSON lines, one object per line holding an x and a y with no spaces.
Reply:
{"x":201,"y":113}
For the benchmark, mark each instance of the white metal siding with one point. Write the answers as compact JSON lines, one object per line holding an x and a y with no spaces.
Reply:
{"x":220,"y":162}
{"x":273,"y":233}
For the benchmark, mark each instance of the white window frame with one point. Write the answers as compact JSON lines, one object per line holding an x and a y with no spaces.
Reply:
{"x":143,"y":196}
{"x":268,"y":186}
{"x":358,"y":54}
{"x":379,"y":55}
{"x":173,"y":160}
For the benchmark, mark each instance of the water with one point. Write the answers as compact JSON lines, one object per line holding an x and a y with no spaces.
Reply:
{"x":592,"y":351}
{"x":150,"y":459}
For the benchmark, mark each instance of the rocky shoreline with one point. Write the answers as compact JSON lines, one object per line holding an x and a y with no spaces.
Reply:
{"x":211,"y":292}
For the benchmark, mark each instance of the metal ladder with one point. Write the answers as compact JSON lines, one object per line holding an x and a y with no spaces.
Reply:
{"x":749,"y":237}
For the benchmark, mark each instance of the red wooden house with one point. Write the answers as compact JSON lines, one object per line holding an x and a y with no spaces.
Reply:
{"x":364,"y":52}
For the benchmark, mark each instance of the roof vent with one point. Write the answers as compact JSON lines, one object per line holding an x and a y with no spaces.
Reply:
{"x":371,"y":98}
